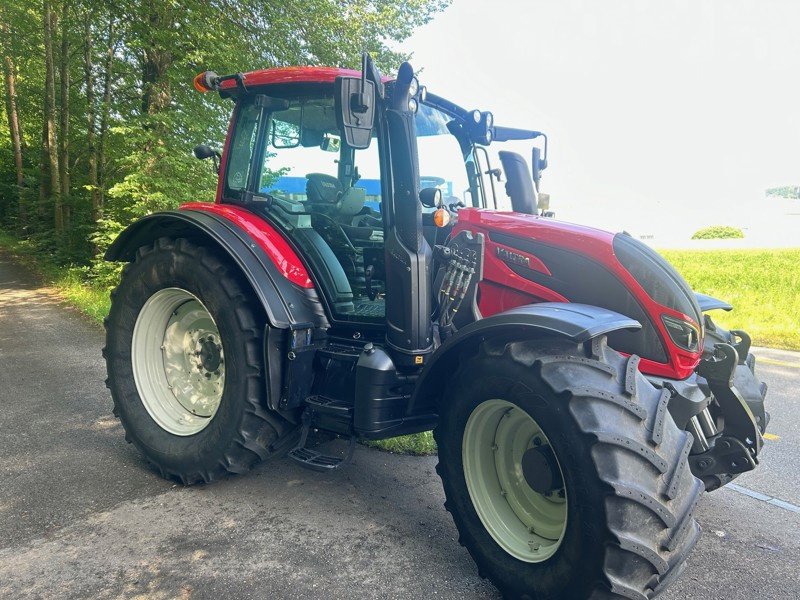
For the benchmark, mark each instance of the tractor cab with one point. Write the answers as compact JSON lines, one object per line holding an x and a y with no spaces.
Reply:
{"x":288,"y":159}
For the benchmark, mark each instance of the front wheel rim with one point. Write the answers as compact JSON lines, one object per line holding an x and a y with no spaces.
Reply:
{"x":528,"y":525}
{"x":178,"y":361}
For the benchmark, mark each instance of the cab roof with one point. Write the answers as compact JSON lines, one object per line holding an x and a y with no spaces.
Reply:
{"x":280,"y":75}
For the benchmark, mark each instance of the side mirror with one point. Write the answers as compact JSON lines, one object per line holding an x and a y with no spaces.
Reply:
{"x":203,"y":151}
{"x":355,"y":110}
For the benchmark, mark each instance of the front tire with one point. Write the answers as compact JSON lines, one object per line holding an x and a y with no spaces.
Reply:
{"x":184,"y":355}
{"x":613,"y":514}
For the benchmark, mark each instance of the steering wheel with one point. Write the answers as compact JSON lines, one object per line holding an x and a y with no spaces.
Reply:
{"x":332,"y":232}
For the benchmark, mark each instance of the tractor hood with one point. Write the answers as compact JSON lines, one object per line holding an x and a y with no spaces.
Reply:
{"x":533,"y":259}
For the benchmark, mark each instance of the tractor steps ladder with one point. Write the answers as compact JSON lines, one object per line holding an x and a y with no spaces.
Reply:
{"x":320,"y":408}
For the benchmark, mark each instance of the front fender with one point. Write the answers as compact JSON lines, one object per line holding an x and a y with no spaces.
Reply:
{"x":576,"y":322}
{"x":707,"y":303}
{"x":288,"y":305}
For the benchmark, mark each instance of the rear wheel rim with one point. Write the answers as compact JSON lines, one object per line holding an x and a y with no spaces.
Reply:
{"x":178,"y":361}
{"x":528,"y":525}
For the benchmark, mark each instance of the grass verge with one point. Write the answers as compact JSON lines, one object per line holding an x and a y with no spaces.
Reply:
{"x":69,"y":282}
{"x":418,"y":444}
{"x":762,"y":285}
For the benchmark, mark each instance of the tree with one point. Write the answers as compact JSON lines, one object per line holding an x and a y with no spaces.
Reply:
{"x":789,"y":191}
{"x":63,"y":110}
{"x":49,"y":137}
{"x":108,"y":86}
{"x":14,"y":128}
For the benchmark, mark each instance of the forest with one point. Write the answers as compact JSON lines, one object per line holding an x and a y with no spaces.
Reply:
{"x":100,"y":115}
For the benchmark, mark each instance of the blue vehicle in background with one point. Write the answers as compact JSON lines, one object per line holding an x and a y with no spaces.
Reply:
{"x":295,"y":188}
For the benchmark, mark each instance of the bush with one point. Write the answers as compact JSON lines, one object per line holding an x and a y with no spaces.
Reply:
{"x":718,"y":232}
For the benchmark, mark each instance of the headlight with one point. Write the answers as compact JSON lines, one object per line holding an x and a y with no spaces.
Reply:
{"x":489,"y":119}
{"x":412,"y":105}
{"x":413,"y":87}
{"x":684,"y":334}
{"x":476,"y":116}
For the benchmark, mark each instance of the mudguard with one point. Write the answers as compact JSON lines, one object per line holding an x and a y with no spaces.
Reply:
{"x":287,"y":304}
{"x":708,"y":303}
{"x":576,"y":322}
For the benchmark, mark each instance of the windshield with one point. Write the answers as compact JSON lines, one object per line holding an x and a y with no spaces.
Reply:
{"x":304,"y":139}
{"x":445,"y":161}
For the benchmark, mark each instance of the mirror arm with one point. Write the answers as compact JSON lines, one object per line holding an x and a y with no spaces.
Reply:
{"x":544,"y":158}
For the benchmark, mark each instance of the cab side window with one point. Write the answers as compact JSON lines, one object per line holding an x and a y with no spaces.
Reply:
{"x":325,"y":195}
{"x":241,"y":150}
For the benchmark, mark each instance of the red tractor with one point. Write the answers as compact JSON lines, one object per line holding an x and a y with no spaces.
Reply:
{"x":580,"y":398}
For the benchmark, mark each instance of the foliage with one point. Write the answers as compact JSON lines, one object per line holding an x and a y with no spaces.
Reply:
{"x":789,"y":191}
{"x":67,"y":281}
{"x":125,"y":115}
{"x":762,"y":285}
{"x":718,"y":232}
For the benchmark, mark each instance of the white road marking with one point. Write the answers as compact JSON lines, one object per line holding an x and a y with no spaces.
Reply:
{"x":764,"y":497}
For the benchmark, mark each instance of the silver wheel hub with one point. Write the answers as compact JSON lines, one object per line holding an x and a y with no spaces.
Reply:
{"x":178,"y":361}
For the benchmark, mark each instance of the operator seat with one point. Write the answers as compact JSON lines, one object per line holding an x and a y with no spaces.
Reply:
{"x":326,"y":196}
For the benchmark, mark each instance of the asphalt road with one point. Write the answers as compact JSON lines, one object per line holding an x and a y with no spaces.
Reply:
{"x":81,"y":514}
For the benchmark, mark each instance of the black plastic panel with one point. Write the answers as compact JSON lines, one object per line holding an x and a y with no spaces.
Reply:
{"x":582,"y":279}
{"x":658,"y":278}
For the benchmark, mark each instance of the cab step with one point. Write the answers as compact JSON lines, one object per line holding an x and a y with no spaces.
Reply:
{"x":312,"y":459}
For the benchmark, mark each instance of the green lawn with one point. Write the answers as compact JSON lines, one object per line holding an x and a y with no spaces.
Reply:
{"x":762,"y":285}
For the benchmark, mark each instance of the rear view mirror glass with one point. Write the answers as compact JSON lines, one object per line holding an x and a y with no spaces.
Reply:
{"x":331,"y":143}
{"x":355,"y":110}
{"x":285,"y":135}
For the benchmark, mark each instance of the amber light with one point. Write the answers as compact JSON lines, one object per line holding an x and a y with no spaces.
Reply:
{"x":200,"y":82}
{"x":441,"y":217}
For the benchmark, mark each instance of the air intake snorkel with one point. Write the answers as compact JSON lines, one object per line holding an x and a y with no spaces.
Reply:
{"x":408,"y":255}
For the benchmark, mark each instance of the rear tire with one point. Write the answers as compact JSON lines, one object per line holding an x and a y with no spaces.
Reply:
{"x":629,"y":492}
{"x":192,"y":426}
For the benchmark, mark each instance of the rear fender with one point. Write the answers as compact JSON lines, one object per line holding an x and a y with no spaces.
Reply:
{"x":287,"y":304}
{"x":576,"y":322}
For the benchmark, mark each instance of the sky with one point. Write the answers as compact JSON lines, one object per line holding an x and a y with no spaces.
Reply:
{"x":668,"y":114}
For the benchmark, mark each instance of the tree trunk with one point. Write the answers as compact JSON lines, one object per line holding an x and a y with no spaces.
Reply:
{"x":104,"y":113}
{"x":63,"y":159}
{"x":50,"y":137}
{"x":91,"y":146}
{"x":14,"y":128}
{"x":157,"y":61}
